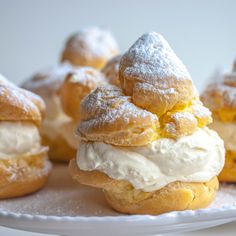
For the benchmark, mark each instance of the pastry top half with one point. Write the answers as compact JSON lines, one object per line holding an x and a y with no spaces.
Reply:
{"x":220,"y":97}
{"x":157,"y":99}
{"x":63,"y":87}
{"x":20,"y":114}
{"x":18,"y":104}
{"x":150,"y":131}
{"x":76,"y":86}
{"x":90,"y":47}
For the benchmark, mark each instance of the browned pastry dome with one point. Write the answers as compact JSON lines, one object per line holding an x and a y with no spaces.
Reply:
{"x":90,"y":47}
{"x":111,"y":70}
{"x":17,"y":104}
{"x":76,"y":86}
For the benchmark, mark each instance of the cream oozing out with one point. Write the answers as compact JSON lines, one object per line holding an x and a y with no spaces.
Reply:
{"x":57,"y":123}
{"x":18,"y":138}
{"x":194,"y":158}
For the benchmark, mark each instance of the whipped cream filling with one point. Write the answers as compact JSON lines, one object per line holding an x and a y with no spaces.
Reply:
{"x":57,"y":123}
{"x":18,"y":138}
{"x":227,"y":131}
{"x":194,"y":158}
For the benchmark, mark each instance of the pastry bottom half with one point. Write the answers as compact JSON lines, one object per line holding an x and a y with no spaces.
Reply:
{"x":59,"y":150}
{"x":24,"y":174}
{"x":121,"y":196}
{"x":228,"y":174}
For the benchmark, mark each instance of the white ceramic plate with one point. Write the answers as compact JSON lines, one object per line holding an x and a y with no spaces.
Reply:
{"x":66,"y":208}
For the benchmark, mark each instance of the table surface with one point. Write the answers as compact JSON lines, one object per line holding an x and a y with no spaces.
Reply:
{"x":227,"y":229}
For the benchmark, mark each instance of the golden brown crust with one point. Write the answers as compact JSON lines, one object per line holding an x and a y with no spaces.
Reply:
{"x":90,"y":47}
{"x":124,"y":198}
{"x":23,"y":175}
{"x":182,"y":121}
{"x":111,"y":117}
{"x":155,"y":86}
{"x":111,"y":70}
{"x":154,"y":76}
{"x":221,"y":100}
{"x":59,"y":149}
{"x":17,"y":104}
{"x":220,"y":97}
{"x":228,"y":174}
{"x":76,"y":86}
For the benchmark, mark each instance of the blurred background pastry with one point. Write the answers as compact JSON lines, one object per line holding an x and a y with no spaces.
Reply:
{"x":47,"y":83}
{"x":111,"y":70}
{"x":146,"y":144}
{"x":92,"y":46}
{"x":77,"y":85}
{"x":220,"y":98}
{"x":24,"y":166}
{"x":89,"y":47}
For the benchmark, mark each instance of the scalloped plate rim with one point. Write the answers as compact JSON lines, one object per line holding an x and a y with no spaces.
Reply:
{"x":172,"y":216}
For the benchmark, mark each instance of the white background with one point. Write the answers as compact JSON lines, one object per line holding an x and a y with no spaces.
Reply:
{"x":32,"y":33}
{"x":202,"y":33}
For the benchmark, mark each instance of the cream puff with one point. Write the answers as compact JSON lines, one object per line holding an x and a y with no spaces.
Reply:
{"x":92,"y":46}
{"x":62,"y":87}
{"x":76,"y":86}
{"x":47,"y":83}
{"x":146,"y":144}
{"x":220,"y":98}
{"x":24,"y":166}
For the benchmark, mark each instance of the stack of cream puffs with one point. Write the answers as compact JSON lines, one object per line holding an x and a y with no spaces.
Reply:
{"x":146,"y":143}
{"x":220,"y":98}
{"x":64,"y":86}
{"x":24,"y":166}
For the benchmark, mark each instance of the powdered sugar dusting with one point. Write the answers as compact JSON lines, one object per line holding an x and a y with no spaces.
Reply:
{"x":107,"y":104}
{"x":221,"y":92}
{"x":61,"y":197}
{"x":165,"y":93}
{"x":152,"y":57}
{"x":219,"y":95}
{"x":64,"y":197}
{"x":87,"y":76}
{"x":184,"y":115}
{"x":27,"y":102}
{"x":93,"y":42}
{"x":48,"y":81}
{"x":200,"y":111}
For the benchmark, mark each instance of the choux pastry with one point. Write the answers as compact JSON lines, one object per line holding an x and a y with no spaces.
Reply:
{"x":146,"y":144}
{"x":92,"y":46}
{"x":24,"y":166}
{"x":220,"y":98}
